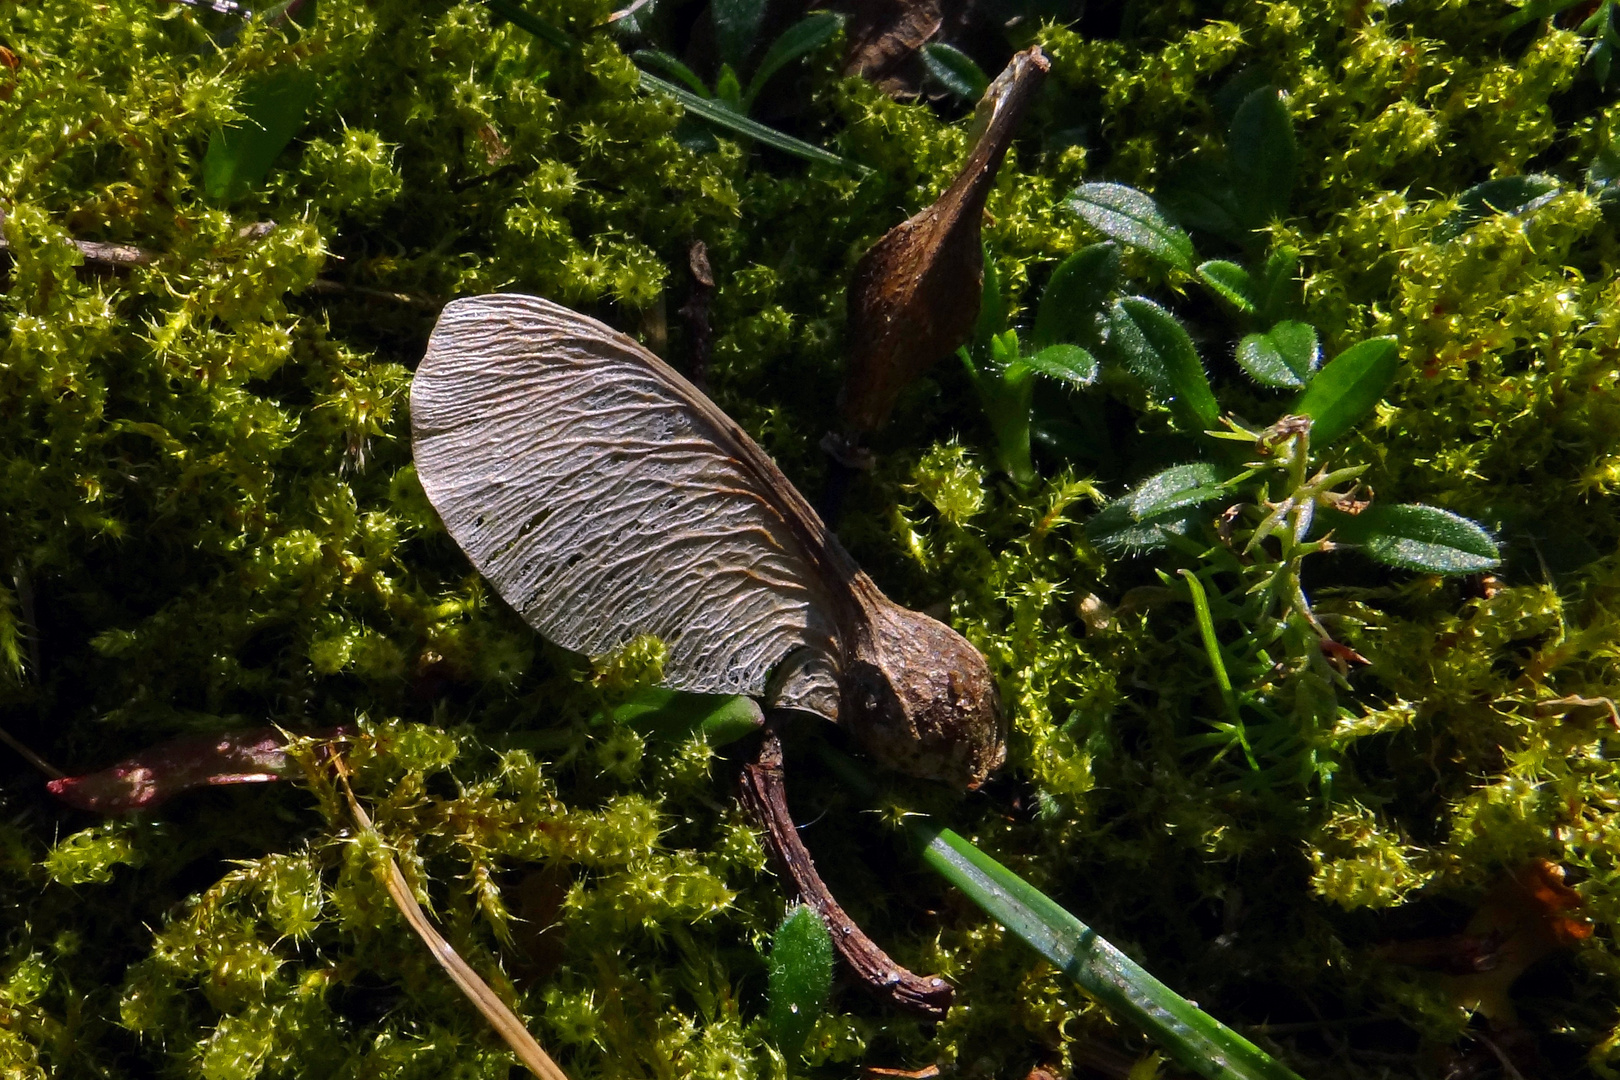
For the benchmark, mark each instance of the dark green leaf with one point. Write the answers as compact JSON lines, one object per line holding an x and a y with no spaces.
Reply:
{"x":1276,"y":289}
{"x":673,"y":715}
{"x":955,"y":70}
{"x":1065,"y":363}
{"x":1517,"y":195}
{"x":800,"y":978}
{"x":1156,"y":347}
{"x":1260,"y":157}
{"x":1125,"y":214}
{"x":273,"y":107}
{"x":668,"y":65}
{"x":992,"y":305}
{"x":1229,"y":281}
{"x":1117,"y":531}
{"x":1416,"y":538}
{"x":1346,"y":390}
{"x":1284,"y":356}
{"x":721,"y":116}
{"x":802,"y":38}
{"x":1075,"y":296}
{"x":1176,"y":488}
{"x":523,"y":20}
{"x":736,"y":28}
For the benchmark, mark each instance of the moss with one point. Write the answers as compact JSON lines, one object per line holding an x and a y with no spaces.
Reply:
{"x":211,"y":521}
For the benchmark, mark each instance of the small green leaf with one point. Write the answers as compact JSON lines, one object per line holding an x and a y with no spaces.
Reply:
{"x":802,"y":38}
{"x":240,"y":155}
{"x":1156,"y":347}
{"x":800,"y":978}
{"x":540,"y":28}
{"x":1346,"y":390}
{"x":1065,"y":363}
{"x":728,"y":89}
{"x":1416,"y":537}
{"x":1125,"y":214}
{"x":1230,"y":282}
{"x":955,"y":70}
{"x":669,"y":65}
{"x":1516,"y":195}
{"x":1284,"y":356}
{"x":1276,"y":289}
{"x":673,"y":715}
{"x":1075,"y":296}
{"x":1260,"y":156}
{"x":1176,"y":488}
{"x":992,"y":305}
{"x":736,"y":28}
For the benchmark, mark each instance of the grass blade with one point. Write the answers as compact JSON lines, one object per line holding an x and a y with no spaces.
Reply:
{"x":721,"y":116}
{"x":1192,"y":1037}
{"x":1196,"y":1040}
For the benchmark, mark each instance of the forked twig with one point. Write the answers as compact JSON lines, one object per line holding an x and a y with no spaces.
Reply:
{"x":495,"y":1011}
{"x":764,"y":793}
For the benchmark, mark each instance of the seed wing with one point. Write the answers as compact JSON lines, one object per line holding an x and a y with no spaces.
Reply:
{"x":604,"y":496}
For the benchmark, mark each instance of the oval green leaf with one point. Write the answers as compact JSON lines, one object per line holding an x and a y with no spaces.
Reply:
{"x":802,"y":38}
{"x":1176,"y":488}
{"x":1505,"y":195}
{"x":1076,"y":294}
{"x":1346,"y":390}
{"x":1284,"y":356}
{"x":1230,"y":282}
{"x":1261,"y":157}
{"x":955,"y":70}
{"x":1065,"y":363}
{"x":1417,"y":537}
{"x":800,"y":978}
{"x":1125,"y":214}
{"x":273,"y":108}
{"x":1156,"y":347}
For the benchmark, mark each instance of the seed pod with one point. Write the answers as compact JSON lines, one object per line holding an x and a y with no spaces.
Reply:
{"x":604,"y":496}
{"x":915,"y":294}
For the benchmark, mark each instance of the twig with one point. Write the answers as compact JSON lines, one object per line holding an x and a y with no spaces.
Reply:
{"x":500,"y":1017}
{"x":699,"y":329}
{"x":128,"y":255}
{"x":764,"y":793}
{"x":29,"y":756}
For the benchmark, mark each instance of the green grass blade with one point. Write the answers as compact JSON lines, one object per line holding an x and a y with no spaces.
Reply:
{"x":1192,"y":1037}
{"x":1196,"y":1040}
{"x":535,"y":25}
{"x":721,"y":116}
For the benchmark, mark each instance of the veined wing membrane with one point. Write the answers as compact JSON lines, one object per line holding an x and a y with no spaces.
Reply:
{"x":604,"y":496}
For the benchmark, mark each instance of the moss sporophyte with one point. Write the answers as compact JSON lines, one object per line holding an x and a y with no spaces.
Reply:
{"x":225,"y":242}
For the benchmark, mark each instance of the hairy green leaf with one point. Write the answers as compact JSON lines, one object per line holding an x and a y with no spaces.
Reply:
{"x":736,"y":28}
{"x":1347,"y":388}
{"x":1125,"y":214}
{"x":955,"y":70}
{"x":1176,"y":488}
{"x":1416,"y":537}
{"x":1075,"y":295}
{"x":800,"y":978}
{"x":1156,"y":347}
{"x":1284,"y":356}
{"x":1261,"y":157}
{"x":1230,"y":282}
{"x":1065,"y":363}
